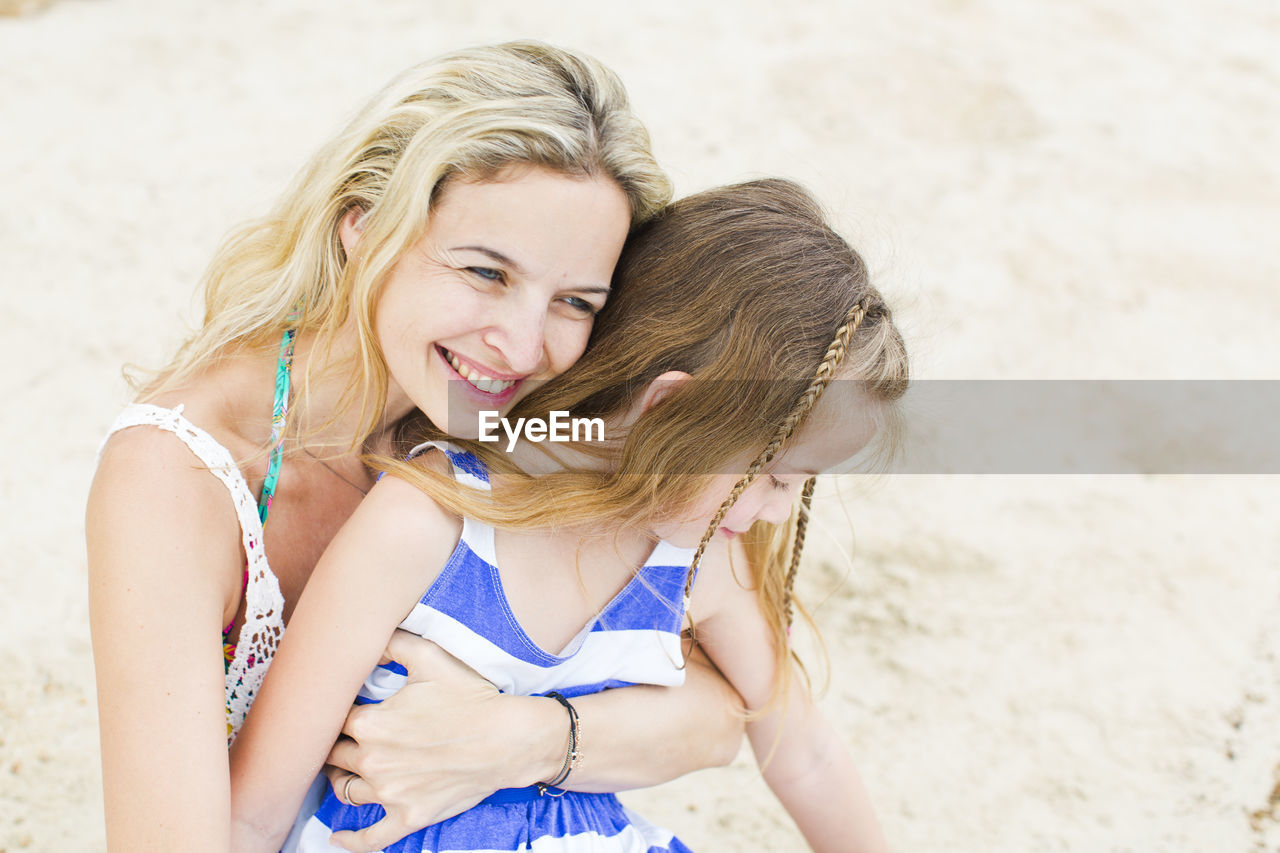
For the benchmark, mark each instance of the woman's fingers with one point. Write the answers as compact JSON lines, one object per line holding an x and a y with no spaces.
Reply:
{"x":438,"y":746}
{"x":351,"y":789}
{"x":404,"y":815}
{"x":425,"y":660}
{"x":382,"y":834}
{"x":341,"y":760}
{"x":446,"y":740}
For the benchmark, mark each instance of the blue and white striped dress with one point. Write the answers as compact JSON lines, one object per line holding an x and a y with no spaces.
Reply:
{"x":634,"y":640}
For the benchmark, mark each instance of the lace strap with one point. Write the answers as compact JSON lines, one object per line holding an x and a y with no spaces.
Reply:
{"x":211,"y":454}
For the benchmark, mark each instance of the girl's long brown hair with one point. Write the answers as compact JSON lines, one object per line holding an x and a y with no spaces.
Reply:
{"x":747,"y":289}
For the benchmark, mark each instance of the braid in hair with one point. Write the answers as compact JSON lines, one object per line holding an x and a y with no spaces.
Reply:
{"x":797,"y":544}
{"x":821,"y":378}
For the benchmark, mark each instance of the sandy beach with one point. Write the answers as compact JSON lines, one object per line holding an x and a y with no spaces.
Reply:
{"x":1044,"y":191}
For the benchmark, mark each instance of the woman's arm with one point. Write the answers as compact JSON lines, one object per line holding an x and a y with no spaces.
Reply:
{"x":447,"y":740}
{"x":164,"y":565}
{"x":804,"y":760}
{"x":367,"y":580}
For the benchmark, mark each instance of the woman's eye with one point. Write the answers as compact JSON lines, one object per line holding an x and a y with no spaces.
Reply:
{"x":486,"y":273}
{"x":778,"y":484}
{"x":580,"y":304}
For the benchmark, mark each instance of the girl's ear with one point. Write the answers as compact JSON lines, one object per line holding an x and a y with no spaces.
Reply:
{"x":350,"y":228}
{"x":661,"y":387}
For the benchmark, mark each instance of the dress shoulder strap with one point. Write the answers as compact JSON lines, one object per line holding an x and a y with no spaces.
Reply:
{"x":469,"y":471}
{"x":467,"y":468}
{"x":264,"y":603}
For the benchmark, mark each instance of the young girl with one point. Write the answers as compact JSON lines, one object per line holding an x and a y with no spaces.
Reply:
{"x":466,"y":222}
{"x":734,"y":313}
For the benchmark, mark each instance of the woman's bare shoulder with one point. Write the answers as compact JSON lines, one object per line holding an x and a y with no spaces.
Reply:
{"x":150,"y":479}
{"x":148,"y":457}
{"x":230,"y":400}
{"x":154,"y":496}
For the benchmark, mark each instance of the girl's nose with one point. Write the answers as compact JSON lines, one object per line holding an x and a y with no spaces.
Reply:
{"x":774,"y":504}
{"x":776,"y":509}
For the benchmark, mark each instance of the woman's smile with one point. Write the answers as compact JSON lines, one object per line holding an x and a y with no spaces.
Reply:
{"x":495,"y":387}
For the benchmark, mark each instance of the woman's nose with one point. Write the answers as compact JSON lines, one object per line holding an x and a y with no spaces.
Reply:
{"x":519,"y":336}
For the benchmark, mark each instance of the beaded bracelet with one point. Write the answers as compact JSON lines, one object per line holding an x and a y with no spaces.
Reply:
{"x":571,"y":756}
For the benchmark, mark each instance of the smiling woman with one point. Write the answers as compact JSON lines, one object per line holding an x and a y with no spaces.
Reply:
{"x":463,"y":226}
{"x":502,"y":288}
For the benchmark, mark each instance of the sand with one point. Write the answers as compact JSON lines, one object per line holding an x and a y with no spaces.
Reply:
{"x":1046,"y":191}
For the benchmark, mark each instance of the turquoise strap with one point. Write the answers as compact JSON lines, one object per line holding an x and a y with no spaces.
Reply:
{"x":279,"y":411}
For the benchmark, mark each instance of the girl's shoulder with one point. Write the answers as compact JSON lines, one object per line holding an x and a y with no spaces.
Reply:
{"x":397,"y":492}
{"x":403,"y":530}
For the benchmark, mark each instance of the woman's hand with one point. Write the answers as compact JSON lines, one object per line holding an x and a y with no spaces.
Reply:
{"x":448,"y":739}
{"x":443,"y":743}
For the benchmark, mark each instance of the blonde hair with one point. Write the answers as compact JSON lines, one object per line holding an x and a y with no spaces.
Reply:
{"x":747,"y":289}
{"x":472,"y":114}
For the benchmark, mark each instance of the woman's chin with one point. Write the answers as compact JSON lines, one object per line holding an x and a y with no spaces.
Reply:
{"x":468,"y":410}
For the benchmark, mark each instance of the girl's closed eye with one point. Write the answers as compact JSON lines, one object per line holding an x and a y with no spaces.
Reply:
{"x":778,"y":484}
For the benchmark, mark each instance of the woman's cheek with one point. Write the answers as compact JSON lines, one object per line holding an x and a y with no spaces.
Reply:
{"x":566,"y":342}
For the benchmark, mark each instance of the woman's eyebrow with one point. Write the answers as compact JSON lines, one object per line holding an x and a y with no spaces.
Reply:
{"x":515,"y":267}
{"x":495,"y":255}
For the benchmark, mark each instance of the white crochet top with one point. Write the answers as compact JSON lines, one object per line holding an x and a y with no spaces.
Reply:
{"x":264,"y":605}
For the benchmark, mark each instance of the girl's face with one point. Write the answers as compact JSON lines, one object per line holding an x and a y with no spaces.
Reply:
{"x":839,"y":427}
{"x":502,"y":289}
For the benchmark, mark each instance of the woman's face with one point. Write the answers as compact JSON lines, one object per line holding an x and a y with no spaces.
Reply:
{"x":502,"y":289}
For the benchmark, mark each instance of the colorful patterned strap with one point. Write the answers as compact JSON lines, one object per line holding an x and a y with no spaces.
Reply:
{"x":279,"y":412}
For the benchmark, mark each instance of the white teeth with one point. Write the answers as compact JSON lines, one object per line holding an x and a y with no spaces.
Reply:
{"x":487,"y":384}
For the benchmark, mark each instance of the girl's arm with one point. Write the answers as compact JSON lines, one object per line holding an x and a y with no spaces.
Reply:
{"x":804,"y":760}
{"x":370,"y":575}
{"x":164,"y":565}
